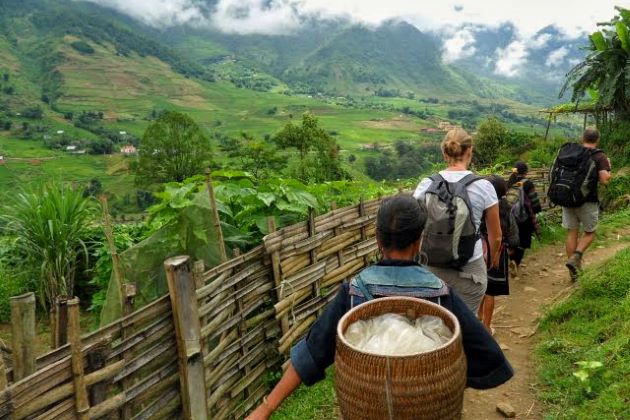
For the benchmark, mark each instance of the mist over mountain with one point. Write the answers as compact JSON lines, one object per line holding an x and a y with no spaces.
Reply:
{"x":262,"y":44}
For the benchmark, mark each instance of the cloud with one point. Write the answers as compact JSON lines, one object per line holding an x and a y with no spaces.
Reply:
{"x":158,"y":12}
{"x":556,"y":57}
{"x":540,"y":41}
{"x":511,"y":59}
{"x":277,"y":16}
{"x":460,"y":45}
{"x":256,"y":17}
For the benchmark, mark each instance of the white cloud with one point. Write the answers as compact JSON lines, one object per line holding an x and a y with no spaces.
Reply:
{"x":273,"y":16}
{"x":256,"y":16}
{"x":556,"y":57}
{"x":460,"y":45}
{"x":511,"y":59}
{"x":158,"y":12}
{"x":540,"y":41}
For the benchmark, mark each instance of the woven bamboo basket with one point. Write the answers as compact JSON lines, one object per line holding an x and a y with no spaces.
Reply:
{"x":422,"y":386}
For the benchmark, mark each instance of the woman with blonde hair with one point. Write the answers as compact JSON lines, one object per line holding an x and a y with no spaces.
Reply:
{"x":457,"y":200}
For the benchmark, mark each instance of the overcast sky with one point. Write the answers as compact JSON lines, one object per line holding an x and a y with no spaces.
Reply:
{"x":281,"y":16}
{"x":457,"y":21}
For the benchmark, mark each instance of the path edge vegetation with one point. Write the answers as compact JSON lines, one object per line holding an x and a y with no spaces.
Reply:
{"x":583,"y":351}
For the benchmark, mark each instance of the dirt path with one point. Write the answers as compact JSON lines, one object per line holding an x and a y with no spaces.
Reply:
{"x":543,"y":279}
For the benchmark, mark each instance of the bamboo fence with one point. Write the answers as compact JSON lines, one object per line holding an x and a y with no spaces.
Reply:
{"x":211,"y":347}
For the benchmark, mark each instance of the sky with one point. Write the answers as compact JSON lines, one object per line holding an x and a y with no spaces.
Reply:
{"x":456,"y":21}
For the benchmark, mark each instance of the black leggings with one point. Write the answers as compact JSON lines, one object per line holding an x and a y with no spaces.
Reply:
{"x":517,"y":255}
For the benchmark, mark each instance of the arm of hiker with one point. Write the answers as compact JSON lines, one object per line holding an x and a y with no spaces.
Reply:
{"x":288,"y":383}
{"x":487,"y":366}
{"x":493,"y":224}
{"x":310,"y":356}
{"x":421,"y":189}
{"x":604,"y":177}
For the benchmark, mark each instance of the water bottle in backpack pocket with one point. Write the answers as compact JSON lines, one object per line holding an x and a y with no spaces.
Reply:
{"x":573,"y":176}
{"x":450,"y":234}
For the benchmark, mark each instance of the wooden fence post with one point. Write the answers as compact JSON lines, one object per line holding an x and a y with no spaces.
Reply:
{"x":23,"y":332}
{"x":215,"y":216}
{"x":277,"y":275}
{"x":82,"y":405}
{"x":182,"y":290}
{"x":198,"y":268}
{"x":60,"y":322}
{"x":3,"y":373}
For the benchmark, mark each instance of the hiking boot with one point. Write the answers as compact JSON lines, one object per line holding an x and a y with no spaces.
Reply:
{"x":574,"y":264}
{"x":513,"y":269}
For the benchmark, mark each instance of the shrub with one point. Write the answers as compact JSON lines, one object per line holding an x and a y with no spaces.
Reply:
{"x":83,"y":47}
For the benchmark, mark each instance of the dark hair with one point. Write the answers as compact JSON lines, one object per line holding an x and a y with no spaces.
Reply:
{"x":519,"y":171}
{"x":590,"y":135}
{"x":400,"y":221}
{"x":499,"y":184}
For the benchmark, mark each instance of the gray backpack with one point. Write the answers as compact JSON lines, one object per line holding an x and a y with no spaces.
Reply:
{"x":450,"y":235}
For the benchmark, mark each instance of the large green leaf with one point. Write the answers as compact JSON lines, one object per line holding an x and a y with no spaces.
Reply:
{"x":622,"y":33}
{"x":599,"y":41}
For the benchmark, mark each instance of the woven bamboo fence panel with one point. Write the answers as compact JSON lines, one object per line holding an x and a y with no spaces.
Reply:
{"x":251,"y":309}
{"x":130,"y":372}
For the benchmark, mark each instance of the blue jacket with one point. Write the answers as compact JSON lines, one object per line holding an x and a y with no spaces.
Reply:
{"x":487,"y":365}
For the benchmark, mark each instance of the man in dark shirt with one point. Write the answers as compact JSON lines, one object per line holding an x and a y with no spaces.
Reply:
{"x":399,"y":226}
{"x":587,"y":215}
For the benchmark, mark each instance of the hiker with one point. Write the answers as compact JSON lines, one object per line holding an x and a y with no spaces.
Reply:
{"x":574,"y":177}
{"x":399,"y":224}
{"x":522,"y":194}
{"x":456,"y":200}
{"x":498,"y":278}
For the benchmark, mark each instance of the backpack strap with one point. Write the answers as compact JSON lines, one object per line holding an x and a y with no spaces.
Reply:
{"x":469,"y":179}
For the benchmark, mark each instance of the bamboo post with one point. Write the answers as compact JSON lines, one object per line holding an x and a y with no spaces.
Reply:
{"x":198,"y":268}
{"x":277,"y":275}
{"x":129,"y":290}
{"x":60,"y":318}
{"x":313,"y":252}
{"x":548,"y":125}
{"x":366,"y":259}
{"x":97,"y":360}
{"x":82,"y":405}
{"x":3,"y":373}
{"x":215,"y":216}
{"x":116,"y":264}
{"x":584,"y":125}
{"x":183,"y":296}
{"x":23,"y":335}
{"x":340,"y":258}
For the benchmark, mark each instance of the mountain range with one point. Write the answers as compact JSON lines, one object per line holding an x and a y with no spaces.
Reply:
{"x":334,"y":57}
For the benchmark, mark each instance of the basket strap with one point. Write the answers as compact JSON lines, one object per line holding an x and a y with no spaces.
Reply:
{"x":388,"y":391}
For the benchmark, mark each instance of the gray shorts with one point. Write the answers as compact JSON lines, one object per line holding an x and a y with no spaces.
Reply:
{"x":470,"y":283}
{"x":587,"y":215}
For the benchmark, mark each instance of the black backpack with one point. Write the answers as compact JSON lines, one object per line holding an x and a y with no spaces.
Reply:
{"x":573,"y":176}
{"x":450,"y":235}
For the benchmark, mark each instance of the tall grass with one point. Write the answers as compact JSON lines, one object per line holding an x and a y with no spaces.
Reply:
{"x":50,"y":223}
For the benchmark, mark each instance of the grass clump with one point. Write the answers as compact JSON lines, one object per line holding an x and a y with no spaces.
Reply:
{"x":584,"y":352}
{"x":316,"y":402}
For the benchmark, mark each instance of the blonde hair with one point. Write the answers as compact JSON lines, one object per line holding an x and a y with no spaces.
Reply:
{"x":456,"y":142}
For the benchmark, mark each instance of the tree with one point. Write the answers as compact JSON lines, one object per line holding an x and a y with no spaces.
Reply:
{"x":490,"y":138}
{"x":50,"y":225}
{"x":173,"y":148}
{"x":604,"y":72}
{"x":318,"y":150}
{"x":260,"y":158}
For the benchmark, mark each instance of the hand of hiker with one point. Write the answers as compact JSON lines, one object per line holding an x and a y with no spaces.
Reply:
{"x":262,"y":412}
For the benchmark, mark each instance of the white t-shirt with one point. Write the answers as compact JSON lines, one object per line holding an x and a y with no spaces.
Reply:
{"x":481,"y":194}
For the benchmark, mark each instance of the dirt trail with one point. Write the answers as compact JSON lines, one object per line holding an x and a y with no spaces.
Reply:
{"x":543,"y":279}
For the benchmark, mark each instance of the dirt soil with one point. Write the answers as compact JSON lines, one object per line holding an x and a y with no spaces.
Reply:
{"x":543,"y":280}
